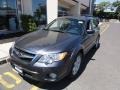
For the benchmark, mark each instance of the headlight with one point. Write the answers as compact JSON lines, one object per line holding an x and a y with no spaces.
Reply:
{"x":50,"y":58}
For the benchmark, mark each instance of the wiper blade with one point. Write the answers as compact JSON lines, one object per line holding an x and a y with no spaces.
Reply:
{"x":45,"y":29}
{"x":57,"y":31}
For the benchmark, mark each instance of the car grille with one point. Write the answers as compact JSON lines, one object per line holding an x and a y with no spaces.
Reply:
{"x":23,"y":55}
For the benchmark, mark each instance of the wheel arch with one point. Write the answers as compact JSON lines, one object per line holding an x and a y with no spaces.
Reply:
{"x":77,"y":51}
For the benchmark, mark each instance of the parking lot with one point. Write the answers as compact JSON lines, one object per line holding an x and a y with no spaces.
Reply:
{"x":100,"y":71}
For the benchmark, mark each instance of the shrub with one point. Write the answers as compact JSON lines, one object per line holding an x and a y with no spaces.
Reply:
{"x":106,"y":15}
{"x":28,"y":23}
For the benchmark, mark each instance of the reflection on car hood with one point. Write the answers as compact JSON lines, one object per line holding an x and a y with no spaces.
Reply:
{"x":47,"y":41}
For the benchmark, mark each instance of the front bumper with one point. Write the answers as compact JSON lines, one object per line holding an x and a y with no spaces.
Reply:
{"x":42,"y":72}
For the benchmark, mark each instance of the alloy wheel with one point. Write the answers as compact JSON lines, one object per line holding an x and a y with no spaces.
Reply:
{"x":76,"y":66}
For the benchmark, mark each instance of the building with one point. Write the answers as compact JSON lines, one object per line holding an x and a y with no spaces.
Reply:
{"x":46,"y":10}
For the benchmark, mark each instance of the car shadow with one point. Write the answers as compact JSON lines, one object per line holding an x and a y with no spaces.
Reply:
{"x":66,"y":81}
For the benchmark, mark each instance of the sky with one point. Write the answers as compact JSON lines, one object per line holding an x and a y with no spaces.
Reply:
{"x":98,"y":1}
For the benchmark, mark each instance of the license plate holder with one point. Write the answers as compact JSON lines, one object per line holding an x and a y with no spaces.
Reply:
{"x":18,"y":69}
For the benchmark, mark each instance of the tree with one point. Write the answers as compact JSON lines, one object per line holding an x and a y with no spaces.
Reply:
{"x":103,"y":5}
{"x":116,"y":4}
{"x":118,"y":10}
{"x":119,"y":16}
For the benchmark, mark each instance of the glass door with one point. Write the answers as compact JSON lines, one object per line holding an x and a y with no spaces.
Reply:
{"x":8,"y":15}
{"x":40,"y":11}
{"x":63,"y":11}
{"x":3,"y":6}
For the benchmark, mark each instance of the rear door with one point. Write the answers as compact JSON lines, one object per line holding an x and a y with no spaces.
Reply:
{"x":94,"y":27}
{"x":86,"y":37}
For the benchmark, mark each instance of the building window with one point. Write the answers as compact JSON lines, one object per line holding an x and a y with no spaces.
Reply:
{"x":8,"y":15}
{"x":84,"y":9}
{"x":19,"y":6}
{"x":39,"y":11}
{"x":62,"y":11}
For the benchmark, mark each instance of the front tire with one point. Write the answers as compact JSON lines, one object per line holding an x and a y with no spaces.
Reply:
{"x":76,"y":66}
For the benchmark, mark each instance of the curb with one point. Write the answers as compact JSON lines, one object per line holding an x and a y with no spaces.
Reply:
{"x":3,"y":60}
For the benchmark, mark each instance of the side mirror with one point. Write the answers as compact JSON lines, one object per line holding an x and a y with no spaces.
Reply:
{"x":90,"y":31}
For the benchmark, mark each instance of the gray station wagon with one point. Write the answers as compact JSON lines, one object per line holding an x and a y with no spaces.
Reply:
{"x":56,"y":51}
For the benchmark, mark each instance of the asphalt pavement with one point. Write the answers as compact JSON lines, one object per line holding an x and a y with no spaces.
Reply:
{"x":100,"y":71}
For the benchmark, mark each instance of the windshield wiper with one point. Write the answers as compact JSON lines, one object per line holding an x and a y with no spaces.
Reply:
{"x":57,"y":31}
{"x":45,"y":29}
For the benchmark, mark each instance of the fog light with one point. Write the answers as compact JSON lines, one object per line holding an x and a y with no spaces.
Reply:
{"x":52,"y":75}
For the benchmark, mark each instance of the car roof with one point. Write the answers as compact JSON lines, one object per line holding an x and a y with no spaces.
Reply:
{"x":83,"y":18}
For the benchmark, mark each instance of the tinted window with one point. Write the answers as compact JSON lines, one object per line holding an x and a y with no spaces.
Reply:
{"x":40,"y":12}
{"x":94,"y":23}
{"x":62,"y":11}
{"x":8,"y":18}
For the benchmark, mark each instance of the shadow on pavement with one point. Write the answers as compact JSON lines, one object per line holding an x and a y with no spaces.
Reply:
{"x":8,"y":40}
{"x":11,"y":35}
{"x":64,"y":82}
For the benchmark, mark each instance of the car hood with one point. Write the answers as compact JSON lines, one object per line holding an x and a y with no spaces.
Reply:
{"x":43,"y":41}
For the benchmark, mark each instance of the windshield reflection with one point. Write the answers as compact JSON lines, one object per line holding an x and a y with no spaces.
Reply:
{"x":65,"y":26}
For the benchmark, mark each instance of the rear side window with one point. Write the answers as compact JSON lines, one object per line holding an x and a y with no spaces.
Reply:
{"x":94,"y":23}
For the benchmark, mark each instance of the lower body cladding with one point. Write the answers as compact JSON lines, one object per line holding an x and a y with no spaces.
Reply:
{"x":44,"y":74}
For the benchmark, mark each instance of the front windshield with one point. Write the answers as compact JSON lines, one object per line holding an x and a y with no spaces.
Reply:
{"x":66,"y":25}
